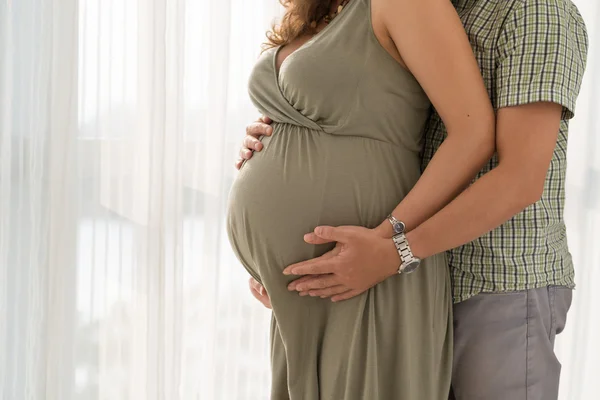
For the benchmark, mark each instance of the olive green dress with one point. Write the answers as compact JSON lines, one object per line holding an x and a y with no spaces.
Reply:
{"x":345,"y":150}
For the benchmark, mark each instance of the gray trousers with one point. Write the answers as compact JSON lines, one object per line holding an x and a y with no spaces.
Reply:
{"x":504,"y":345}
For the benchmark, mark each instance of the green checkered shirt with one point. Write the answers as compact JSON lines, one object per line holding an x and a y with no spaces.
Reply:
{"x":528,"y":51}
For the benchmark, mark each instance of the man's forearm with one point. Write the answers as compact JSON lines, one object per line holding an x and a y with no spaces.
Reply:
{"x":453,"y":166}
{"x":488,"y":203}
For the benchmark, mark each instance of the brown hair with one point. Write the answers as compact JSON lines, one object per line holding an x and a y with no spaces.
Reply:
{"x":296,"y":20}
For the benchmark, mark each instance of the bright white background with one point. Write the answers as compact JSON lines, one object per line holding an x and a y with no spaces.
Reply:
{"x":119,"y":125}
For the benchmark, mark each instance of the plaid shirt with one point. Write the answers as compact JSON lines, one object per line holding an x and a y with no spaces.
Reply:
{"x":528,"y":51}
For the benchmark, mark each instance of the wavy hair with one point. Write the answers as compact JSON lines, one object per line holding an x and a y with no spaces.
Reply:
{"x":296,"y":21}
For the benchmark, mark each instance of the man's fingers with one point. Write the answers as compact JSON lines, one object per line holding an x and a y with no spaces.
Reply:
{"x":312,"y":267}
{"x":333,"y":233}
{"x":266,"y":119}
{"x":238,"y":163}
{"x":328,"y":292}
{"x":330,"y":254}
{"x":314,"y":239}
{"x":296,"y":269}
{"x":320,"y":282}
{"x":307,"y":278}
{"x":292,"y":285}
{"x":257,"y":129}
{"x":347,"y":295}
{"x":251,"y":143}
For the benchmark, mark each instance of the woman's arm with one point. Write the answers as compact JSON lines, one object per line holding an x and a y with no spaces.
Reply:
{"x":428,"y":37}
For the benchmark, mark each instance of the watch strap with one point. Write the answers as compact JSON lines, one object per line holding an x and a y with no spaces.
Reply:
{"x":406,"y":255}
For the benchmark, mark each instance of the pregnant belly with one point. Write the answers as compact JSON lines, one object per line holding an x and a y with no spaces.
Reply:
{"x":304,"y":178}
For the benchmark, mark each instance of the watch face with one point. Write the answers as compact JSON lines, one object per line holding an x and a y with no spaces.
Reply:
{"x":399,"y":227}
{"x":411,"y":267}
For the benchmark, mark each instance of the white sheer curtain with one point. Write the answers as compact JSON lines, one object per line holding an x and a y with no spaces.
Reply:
{"x":578,"y":347}
{"x":119,"y":125}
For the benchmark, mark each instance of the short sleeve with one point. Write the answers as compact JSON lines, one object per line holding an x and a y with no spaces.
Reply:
{"x":542,"y":52}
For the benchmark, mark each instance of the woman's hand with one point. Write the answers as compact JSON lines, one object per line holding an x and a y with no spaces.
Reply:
{"x":361,"y":259}
{"x":251,"y":142}
{"x":259,"y":293}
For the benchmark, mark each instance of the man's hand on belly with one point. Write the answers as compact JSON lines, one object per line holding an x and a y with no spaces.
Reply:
{"x":361,"y":259}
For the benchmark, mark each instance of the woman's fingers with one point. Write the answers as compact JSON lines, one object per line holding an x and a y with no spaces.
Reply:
{"x":252,"y":141}
{"x":259,"y":292}
{"x":245,"y":153}
{"x":259,"y":128}
{"x":255,"y":285}
{"x":263,"y":299}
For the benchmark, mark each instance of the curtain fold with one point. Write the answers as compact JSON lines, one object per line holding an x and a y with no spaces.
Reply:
{"x":119,"y":125}
{"x":55,"y":275}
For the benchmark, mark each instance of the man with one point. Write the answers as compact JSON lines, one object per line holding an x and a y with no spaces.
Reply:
{"x":511,"y":269}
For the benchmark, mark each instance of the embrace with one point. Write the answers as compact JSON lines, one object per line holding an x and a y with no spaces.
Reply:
{"x":399,"y":205}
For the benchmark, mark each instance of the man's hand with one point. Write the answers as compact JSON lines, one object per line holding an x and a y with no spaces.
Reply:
{"x":361,"y":259}
{"x":259,"y":293}
{"x":251,"y":142}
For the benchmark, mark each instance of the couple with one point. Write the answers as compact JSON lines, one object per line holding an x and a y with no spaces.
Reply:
{"x":407,"y":231}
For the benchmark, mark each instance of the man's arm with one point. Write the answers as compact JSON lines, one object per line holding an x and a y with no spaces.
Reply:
{"x":525,"y":140}
{"x":543,"y":52}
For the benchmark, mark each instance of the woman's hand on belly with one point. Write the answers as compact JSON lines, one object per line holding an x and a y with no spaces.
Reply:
{"x":361,"y":259}
{"x":252,"y":142}
{"x":259,"y":293}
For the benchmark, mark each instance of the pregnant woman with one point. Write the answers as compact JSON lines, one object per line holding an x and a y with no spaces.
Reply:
{"x":348,"y":86}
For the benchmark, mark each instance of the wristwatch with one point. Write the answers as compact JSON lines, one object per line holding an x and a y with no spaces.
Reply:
{"x":409,"y":263}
